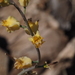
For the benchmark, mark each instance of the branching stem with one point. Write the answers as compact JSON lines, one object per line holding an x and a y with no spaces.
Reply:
{"x":26,"y":22}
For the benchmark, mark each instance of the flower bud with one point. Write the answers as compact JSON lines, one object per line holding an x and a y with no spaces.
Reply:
{"x":24,"y":3}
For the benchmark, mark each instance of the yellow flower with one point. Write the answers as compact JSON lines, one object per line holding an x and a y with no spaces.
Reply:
{"x":23,"y":62}
{"x":4,"y":3}
{"x":11,"y":24}
{"x":37,"y":40}
{"x":33,"y":26}
{"x":24,"y":3}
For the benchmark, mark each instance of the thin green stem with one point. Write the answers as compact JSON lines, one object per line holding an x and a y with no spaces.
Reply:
{"x":23,"y":26}
{"x":34,"y":61}
{"x":24,"y":9}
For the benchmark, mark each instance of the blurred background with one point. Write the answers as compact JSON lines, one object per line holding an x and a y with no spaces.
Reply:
{"x":56,"y":26}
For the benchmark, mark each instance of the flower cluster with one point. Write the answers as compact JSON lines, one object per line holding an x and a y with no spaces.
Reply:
{"x":31,"y":28}
{"x":37,"y":40}
{"x":12,"y":24}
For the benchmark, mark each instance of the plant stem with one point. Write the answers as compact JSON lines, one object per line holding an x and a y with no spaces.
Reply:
{"x":24,"y":9}
{"x":29,"y":69}
{"x":23,"y":26}
{"x":39,"y":55}
{"x":26,"y":70}
{"x":24,"y":18}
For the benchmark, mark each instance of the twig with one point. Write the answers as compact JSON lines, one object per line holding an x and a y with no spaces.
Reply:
{"x":39,"y":55}
{"x":26,"y":70}
{"x":24,"y":18}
